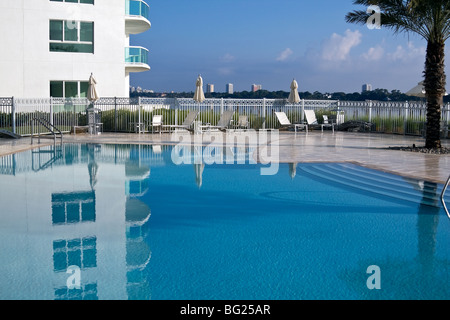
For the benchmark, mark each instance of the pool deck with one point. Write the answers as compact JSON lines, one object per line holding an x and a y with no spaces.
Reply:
{"x":367,"y":149}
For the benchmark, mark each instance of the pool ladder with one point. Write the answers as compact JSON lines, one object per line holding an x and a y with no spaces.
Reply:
{"x":442,"y":197}
{"x":49,"y":126}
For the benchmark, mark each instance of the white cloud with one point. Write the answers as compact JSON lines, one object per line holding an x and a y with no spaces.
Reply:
{"x":338,"y":47}
{"x":225,"y":71}
{"x":227,"y":58}
{"x":285,"y":54}
{"x":411,"y":52}
{"x":374,"y":54}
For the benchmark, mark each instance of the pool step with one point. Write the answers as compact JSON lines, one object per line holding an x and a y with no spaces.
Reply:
{"x":376,"y":182}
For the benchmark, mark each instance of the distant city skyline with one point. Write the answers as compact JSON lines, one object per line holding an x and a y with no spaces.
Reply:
{"x":366,"y":87}
{"x":271,"y":42}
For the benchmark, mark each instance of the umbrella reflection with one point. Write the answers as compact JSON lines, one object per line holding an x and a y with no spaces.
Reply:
{"x":292,"y":170}
{"x":92,"y":165}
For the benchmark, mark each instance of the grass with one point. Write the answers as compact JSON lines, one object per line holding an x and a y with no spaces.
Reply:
{"x":121,"y":120}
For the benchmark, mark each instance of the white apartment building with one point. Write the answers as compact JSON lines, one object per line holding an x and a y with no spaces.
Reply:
{"x":366,"y":87}
{"x":51,"y":47}
{"x":229,"y":88}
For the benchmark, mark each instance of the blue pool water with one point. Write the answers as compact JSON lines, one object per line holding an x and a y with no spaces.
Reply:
{"x":136,"y":226}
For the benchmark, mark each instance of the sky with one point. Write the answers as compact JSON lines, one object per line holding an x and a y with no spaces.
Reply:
{"x":271,"y":42}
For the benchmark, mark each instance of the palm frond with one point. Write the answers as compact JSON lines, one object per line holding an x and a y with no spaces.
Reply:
{"x":429,"y":19}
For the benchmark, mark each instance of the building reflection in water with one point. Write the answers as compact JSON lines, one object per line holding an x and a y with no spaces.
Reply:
{"x":137,"y":216}
{"x":93,"y":216}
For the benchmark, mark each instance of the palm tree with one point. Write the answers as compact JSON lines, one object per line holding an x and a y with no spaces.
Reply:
{"x":431,"y":20}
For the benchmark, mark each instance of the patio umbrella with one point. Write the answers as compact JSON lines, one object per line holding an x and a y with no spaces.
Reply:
{"x":199,"y":96}
{"x":92,"y":94}
{"x":418,"y":91}
{"x":293,"y":96}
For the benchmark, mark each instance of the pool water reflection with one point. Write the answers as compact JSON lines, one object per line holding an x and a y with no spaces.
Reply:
{"x":140,"y":227}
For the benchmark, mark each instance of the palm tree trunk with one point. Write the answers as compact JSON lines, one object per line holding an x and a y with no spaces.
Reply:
{"x":435,"y":81}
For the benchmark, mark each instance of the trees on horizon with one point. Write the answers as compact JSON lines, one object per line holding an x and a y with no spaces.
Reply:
{"x":376,"y":95}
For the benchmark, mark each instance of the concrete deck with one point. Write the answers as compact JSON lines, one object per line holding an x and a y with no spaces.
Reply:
{"x":369,"y":150}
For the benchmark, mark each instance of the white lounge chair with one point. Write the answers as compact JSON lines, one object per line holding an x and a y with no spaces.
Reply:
{"x":327,"y":123}
{"x":222,"y":125}
{"x":187,"y":123}
{"x":284,"y":121}
{"x":312,"y":120}
{"x":242,"y":123}
{"x":157,"y":123}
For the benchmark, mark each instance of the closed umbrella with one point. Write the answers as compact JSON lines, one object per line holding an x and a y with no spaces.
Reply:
{"x":293,"y":96}
{"x":199,"y":96}
{"x":92,"y":90}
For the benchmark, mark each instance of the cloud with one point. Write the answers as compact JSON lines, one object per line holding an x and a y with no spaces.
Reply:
{"x":411,"y":52}
{"x":338,"y":47}
{"x":285,"y":54}
{"x":227,"y":58}
{"x":225,"y":71}
{"x":374,"y":54}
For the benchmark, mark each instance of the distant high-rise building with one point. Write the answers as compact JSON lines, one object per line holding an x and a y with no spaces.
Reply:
{"x":210,"y":88}
{"x":256,"y":87}
{"x":229,"y":88}
{"x":366,"y":87}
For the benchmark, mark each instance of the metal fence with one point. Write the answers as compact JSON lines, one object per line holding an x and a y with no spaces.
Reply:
{"x":122,"y":114}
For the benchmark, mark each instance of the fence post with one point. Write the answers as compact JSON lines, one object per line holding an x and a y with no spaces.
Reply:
{"x":139,"y":115}
{"x":74,"y":118}
{"x":370,"y":111}
{"x":302,"y":113}
{"x":405,"y":121}
{"x":221,"y":106}
{"x":175,"y":106}
{"x":447,"y":120}
{"x":115,"y":114}
{"x":13,"y":115}
{"x":264,"y":114}
{"x":51,"y":111}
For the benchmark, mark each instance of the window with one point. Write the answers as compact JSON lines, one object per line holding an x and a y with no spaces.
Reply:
{"x":75,"y":1}
{"x":74,"y":252}
{"x":71,"y":36}
{"x":69,"y":89}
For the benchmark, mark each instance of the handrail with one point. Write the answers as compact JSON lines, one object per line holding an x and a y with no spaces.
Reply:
{"x":50,"y":127}
{"x":442,"y":197}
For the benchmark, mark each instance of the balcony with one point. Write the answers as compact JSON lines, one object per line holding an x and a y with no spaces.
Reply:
{"x":136,"y":16}
{"x":136,"y":59}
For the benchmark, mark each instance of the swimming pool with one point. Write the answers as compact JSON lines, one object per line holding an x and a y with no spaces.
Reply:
{"x":86,"y":221}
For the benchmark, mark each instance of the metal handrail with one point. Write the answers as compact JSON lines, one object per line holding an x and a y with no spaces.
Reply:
{"x":442,"y":197}
{"x":50,"y":127}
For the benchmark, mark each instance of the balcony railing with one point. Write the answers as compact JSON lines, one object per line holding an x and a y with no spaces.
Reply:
{"x":136,"y":17}
{"x":137,"y":8}
{"x":136,"y":55}
{"x":136,"y":59}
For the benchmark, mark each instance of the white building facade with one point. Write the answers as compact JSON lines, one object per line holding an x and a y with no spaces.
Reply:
{"x":51,"y":47}
{"x":229,"y":88}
